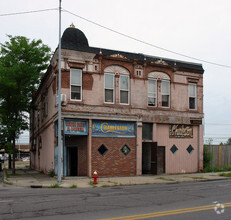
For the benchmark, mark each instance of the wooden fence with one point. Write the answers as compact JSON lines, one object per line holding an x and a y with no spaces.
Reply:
{"x":221,"y":155}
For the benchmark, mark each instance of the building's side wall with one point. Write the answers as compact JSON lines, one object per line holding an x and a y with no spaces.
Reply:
{"x":181,"y":161}
{"x":47,"y":150}
{"x":114,"y":162}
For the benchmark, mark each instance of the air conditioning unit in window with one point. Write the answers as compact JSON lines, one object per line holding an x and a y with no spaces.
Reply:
{"x":63,"y":99}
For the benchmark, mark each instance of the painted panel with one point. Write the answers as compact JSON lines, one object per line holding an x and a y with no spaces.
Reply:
{"x":113,"y":129}
{"x":75,"y":127}
{"x":181,"y":161}
{"x":180,"y":131}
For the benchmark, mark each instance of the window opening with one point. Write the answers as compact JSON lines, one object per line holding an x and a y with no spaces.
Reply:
{"x":126,"y":150}
{"x":174,"y":149}
{"x":190,"y":149}
{"x":152,"y":92}
{"x":192,"y":96}
{"x":124,"y":89}
{"x":76,"y":84}
{"x":109,"y":88}
{"x":102,"y":150}
{"x":165,"y":91}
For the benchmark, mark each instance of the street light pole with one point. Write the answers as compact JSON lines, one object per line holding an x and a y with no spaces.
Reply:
{"x":60,"y":160}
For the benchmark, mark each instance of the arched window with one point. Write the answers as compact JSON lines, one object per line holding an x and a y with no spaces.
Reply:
{"x":109,"y":84}
{"x":153,"y":79}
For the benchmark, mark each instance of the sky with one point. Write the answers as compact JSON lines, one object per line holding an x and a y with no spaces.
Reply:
{"x":194,"y":28}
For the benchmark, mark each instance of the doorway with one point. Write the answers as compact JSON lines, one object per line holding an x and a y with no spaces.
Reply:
{"x":72,"y":158}
{"x":153,"y":158}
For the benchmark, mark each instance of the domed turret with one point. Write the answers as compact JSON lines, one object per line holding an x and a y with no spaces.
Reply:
{"x":74,"y":39}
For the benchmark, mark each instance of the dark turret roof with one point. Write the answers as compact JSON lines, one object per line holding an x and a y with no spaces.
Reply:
{"x":74,"y":39}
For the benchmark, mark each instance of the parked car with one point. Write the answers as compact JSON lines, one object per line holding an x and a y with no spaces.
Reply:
{"x":25,"y":159}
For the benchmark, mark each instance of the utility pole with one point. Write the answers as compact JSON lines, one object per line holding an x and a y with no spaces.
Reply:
{"x":60,"y":159}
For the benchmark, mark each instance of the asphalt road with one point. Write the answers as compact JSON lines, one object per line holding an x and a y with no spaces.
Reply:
{"x":194,"y":200}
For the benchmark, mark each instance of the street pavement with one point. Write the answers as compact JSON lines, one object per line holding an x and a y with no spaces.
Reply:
{"x":26,"y":177}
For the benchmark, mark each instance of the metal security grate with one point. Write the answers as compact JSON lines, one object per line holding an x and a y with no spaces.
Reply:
{"x":102,"y":150}
{"x":190,"y":149}
{"x":126,"y":150}
{"x":174,"y":149}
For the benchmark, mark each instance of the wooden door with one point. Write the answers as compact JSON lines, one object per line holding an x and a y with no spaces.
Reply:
{"x":160,"y":160}
{"x":153,"y":157}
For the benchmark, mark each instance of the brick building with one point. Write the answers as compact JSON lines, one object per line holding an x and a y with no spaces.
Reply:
{"x":123,"y":113}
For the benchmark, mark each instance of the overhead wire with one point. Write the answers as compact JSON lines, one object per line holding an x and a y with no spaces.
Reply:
{"x":119,"y":33}
{"x":28,"y":12}
{"x":141,"y":41}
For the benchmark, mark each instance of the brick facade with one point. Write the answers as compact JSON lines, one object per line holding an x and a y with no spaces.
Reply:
{"x":114,"y":162}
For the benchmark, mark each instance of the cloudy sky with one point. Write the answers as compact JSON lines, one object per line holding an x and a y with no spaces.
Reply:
{"x":195,"y":28}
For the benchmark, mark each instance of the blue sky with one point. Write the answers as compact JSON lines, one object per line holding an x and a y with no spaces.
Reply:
{"x":195,"y":28}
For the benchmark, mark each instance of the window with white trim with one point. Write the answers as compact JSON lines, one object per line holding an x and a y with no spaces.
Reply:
{"x":192,"y":90}
{"x":109,"y":88}
{"x":152,"y":92}
{"x":76,"y":84}
{"x":124,"y":89}
{"x":165,"y":93}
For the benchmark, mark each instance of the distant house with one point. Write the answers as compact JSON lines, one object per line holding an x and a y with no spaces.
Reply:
{"x":22,"y":149}
{"x":123,"y":113}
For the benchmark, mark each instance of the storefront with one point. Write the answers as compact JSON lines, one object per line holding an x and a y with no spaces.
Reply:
{"x":113,"y":147}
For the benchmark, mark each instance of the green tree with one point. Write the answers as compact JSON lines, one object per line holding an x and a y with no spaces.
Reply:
{"x":21,"y":64}
{"x":228,"y":142}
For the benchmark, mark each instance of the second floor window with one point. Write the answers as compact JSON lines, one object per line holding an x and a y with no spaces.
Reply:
{"x":192,"y":96}
{"x":108,"y":88}
{"x":152,"y":92}
{"x":76,"y":84}
{"x":165,"y":93}
{"x":124,"y":89}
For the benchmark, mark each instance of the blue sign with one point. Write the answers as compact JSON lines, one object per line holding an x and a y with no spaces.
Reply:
{"x":75,"y":127}
{"x":113,"y":129}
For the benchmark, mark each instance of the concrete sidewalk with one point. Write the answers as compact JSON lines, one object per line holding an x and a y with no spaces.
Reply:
{"x":32,"y":178}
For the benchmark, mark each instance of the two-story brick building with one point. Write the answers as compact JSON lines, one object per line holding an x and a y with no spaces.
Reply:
{"x":122,"y":113}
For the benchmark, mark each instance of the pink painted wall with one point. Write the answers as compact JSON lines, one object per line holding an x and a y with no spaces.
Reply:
{"x":47,"y":150}
{"x":181,"y":161}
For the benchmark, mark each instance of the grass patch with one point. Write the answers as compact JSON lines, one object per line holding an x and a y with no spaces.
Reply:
{"x":198,"y":178}
{"x":216,"y":169}
{"x":6,"y":173}
{"x":56,"y":185}
{"x":166,"y":179}
{"x":73,"y":186}
{"x":8,"y":183}
{"x":225,"y":174}
{"x":92,"y":184}
{"x":105,"y":185}
{"x":51,"y":173}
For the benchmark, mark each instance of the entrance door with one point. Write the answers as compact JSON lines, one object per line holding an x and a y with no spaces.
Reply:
{"x":160,"y":160}
{"x":153,"y":157}
{"x":149,"y":158}
{"x":72,"y":154}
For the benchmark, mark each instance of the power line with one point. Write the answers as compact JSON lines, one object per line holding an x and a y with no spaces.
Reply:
{"x":117,"y":32}
{"x":144,"y":42}
{"x":29,"y":12}
{"x":217,"y":124}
